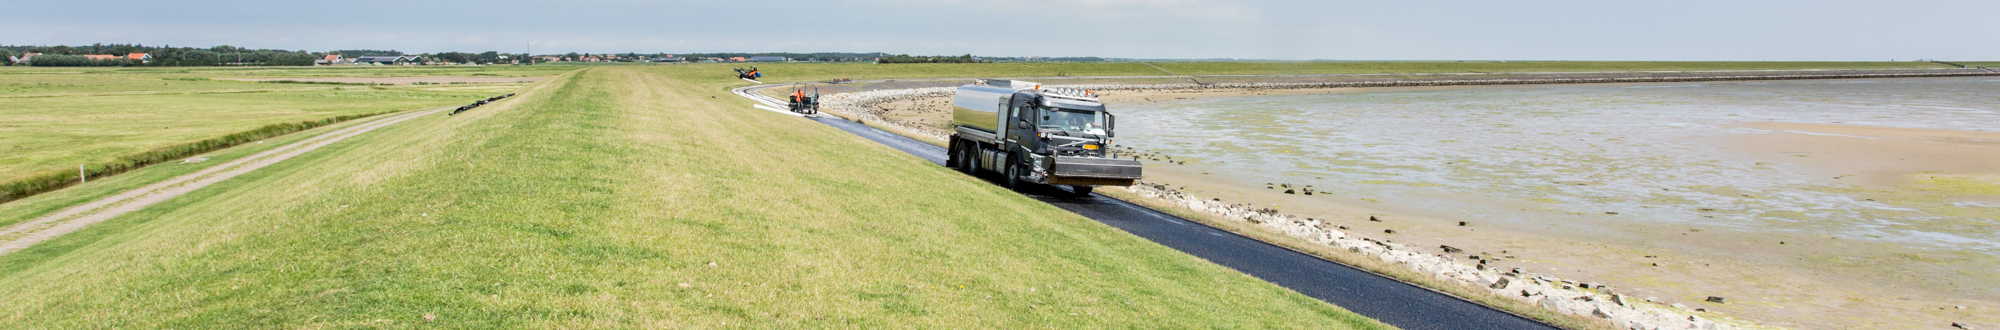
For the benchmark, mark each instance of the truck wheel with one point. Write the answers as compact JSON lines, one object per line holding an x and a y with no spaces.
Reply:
{"x":1081,"y":191}
{"x":1013,"y":178}
{"x":966,"y":163}
{"x":951,"y":156}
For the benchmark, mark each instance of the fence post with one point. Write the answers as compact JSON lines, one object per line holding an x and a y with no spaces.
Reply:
{"x":80,"y":178}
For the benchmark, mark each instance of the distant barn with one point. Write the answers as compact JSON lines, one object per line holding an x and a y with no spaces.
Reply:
{"x":388,"y":60}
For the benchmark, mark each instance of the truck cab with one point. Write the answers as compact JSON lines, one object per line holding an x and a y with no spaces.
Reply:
{"x":1031,"y":134}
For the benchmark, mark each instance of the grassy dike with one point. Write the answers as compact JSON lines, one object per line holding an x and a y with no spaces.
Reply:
{"x":114,"y":120}
{"x":622,"y":197}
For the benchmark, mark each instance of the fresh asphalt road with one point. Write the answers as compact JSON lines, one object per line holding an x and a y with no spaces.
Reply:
{"x":1399,"y":304}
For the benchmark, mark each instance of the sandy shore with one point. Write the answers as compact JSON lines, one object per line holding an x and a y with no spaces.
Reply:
{"x":1776,"y":278}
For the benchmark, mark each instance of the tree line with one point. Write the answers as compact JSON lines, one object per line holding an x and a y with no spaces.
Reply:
{"x":224,"y":55}
{"x":902,"y":58}
{"x":161,"y":55}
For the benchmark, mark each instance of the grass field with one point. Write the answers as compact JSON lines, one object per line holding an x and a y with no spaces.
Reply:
{"x":620,"y":197}
{"x":54,"y":119}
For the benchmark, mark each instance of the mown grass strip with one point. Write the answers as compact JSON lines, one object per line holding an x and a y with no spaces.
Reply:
{"x":46,"y":181}
{"x":288,"y":81}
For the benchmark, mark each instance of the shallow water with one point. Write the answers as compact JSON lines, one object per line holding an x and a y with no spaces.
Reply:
{"x":1652,"y":152}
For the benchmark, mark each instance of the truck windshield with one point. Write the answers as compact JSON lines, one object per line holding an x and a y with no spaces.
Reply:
{"x":1075,"y":121}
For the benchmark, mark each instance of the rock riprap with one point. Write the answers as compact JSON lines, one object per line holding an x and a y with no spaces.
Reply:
{"x":1543,"y":290}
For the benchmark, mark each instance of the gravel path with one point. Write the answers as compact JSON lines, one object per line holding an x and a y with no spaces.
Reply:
{"x":26,"y":234}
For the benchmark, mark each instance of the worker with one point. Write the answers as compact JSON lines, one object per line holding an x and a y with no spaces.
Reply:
{"x":799,"y":95}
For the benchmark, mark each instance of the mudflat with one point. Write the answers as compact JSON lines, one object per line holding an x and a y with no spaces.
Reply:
{"x":1809,"y":204}
{"x":1878,"y":157}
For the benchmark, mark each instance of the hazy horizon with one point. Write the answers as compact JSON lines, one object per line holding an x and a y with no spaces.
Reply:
{"x":1173,"y":29}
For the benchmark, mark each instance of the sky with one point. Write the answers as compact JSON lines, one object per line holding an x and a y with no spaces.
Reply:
{"x":1687,"y":30}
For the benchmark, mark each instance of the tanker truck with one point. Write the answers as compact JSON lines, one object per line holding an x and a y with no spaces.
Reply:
{"x":1029,"y":134}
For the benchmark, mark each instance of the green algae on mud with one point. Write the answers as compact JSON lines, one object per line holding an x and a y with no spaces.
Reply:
{"x":1957,"y":184}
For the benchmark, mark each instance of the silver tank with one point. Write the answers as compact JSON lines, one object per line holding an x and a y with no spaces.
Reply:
{"x":979,"y":106}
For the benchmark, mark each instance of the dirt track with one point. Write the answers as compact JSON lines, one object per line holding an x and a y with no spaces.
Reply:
{"x":26,"y":234}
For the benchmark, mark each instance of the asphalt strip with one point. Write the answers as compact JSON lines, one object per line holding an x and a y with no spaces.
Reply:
{"x":1394,"y":302}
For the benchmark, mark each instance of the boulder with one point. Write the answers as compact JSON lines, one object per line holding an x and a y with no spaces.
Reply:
{"x":1715,"y":299}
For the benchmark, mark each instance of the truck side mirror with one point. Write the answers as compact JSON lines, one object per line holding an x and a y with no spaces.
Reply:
{"x":1110,"y":125}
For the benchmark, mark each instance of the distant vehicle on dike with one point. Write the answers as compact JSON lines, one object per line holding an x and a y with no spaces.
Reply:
{"x":800,"y":102}
{"x":1030,"y":134}
{"x":750,"y":74}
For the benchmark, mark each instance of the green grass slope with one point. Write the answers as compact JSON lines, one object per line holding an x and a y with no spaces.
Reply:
{"x":622,"y":197}
{"x":116,"y":119}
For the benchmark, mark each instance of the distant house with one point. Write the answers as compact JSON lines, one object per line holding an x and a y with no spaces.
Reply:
{"x":736,"y":59}
{"x":768,"y":59}
{"x":331,"y":60}
{"x":141,"y":57}
{"x":21,"y":60}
